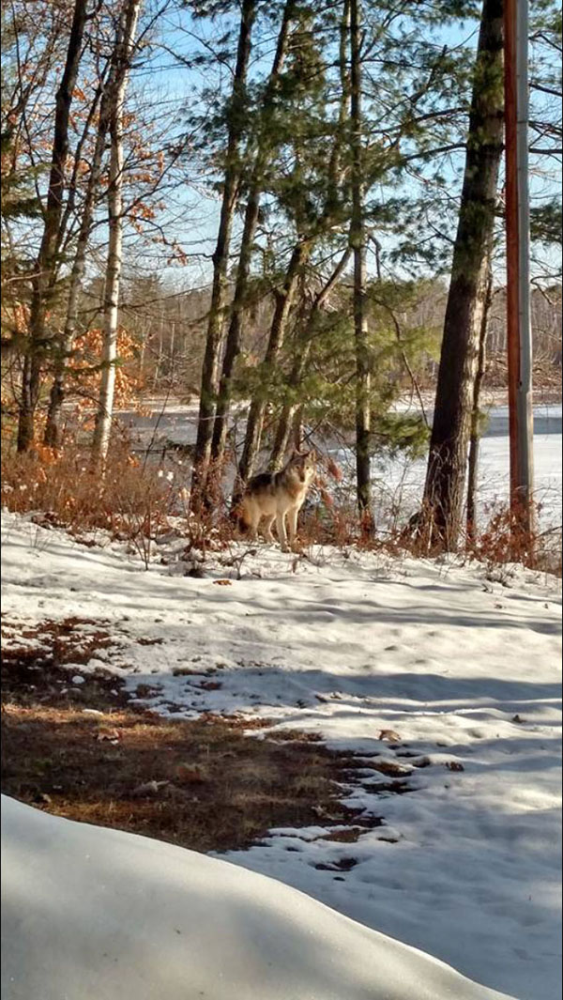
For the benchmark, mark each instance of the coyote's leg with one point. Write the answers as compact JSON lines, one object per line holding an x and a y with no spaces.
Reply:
{"x":280,"y":521}
{"x":268,"y":529}
{"x":252,"y":512}
{"x":292,"y":520}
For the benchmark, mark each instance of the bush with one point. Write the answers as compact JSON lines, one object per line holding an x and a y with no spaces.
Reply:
{"x":132,"y":501}
{"x":506,"y":540}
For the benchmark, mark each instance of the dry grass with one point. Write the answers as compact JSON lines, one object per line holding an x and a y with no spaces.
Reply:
{"x":504,"y":540}
{"x":131,"y":501}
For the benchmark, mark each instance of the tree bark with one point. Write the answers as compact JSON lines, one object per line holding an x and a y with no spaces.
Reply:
{"x":445,"y":480}
{"x":358,"y":242}
{"x":46,"y":265}
{"x":252,"y":214}
{"x":214,"y":342}
{"x":104,"y":416}
{"x":475,"y":433}
{"x":284,"y":302}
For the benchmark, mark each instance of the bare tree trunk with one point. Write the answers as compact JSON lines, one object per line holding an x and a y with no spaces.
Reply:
{"x":284,"y":301}
{"x":445,"y":480}
{"x":158,"y":365}
{"x":214,"y":342}
{"x":252,"y":213}
{"x":46,"y":264}
{"x":143,"y":354}
{"x":172,"y":352}
{"x":303,"y":349}
{"x":475,"y":434}
{"x":54,"y":415}
{"x":358,"y":242}
{"x":104,"y":416}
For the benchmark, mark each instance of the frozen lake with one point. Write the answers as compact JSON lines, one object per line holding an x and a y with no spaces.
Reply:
{"x":402,"y":479}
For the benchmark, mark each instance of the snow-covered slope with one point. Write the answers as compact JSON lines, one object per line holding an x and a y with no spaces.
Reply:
{"x":466,"y":670}
{"x":96,"y":914}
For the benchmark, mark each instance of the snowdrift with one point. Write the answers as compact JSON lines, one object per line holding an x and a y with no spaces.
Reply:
{"x":97,"y":914}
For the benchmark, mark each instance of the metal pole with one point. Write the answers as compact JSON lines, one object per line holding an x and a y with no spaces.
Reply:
{"x":525,"y":410}
{"x":512,"y":254}
{"x":519,"y":335}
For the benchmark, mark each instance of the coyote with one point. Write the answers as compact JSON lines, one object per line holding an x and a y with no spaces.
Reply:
{"x":274,"y":494}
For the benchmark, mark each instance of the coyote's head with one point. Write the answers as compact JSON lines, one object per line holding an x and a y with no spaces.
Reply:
{"x":303,"y":464}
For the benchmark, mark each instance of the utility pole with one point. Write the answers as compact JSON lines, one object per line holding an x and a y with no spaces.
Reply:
{"x":358,"y":244}
{"x":519,"y":333}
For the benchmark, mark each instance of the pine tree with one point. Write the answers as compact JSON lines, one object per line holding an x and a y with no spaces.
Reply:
{"x":359,"y":248}
{"x":447,"y":464}
{"x":264,"y":140}
{"x":303,"y":195}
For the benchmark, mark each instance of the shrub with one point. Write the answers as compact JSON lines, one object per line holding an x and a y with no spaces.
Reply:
{"x":132,"y":501}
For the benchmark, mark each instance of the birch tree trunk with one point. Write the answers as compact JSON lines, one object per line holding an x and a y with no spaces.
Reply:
{"x":104,"y":416}
{"x":447,"y":463}
{"x":47,"y":259}
{"x":215,"y":327}
{"x":251,"y":216}
{"x":358,"y":242}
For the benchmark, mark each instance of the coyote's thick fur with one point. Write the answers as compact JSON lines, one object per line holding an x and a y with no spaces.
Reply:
{"x":272,"y":495}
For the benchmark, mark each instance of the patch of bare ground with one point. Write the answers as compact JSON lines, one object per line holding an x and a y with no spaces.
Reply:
{"x":83,"y":752}
{"x":36,"y":661}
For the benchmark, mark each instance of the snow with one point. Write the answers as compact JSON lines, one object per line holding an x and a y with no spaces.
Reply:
{"x":96,"y":914}
{"x":466,"y":670}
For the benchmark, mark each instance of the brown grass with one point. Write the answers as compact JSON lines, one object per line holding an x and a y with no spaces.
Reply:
{"x":132,"y":501}
{"x":504,"y":540}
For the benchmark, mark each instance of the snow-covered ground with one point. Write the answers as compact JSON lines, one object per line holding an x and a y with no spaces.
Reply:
{"x":465,"y":672}
{"x":97,"y":914}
